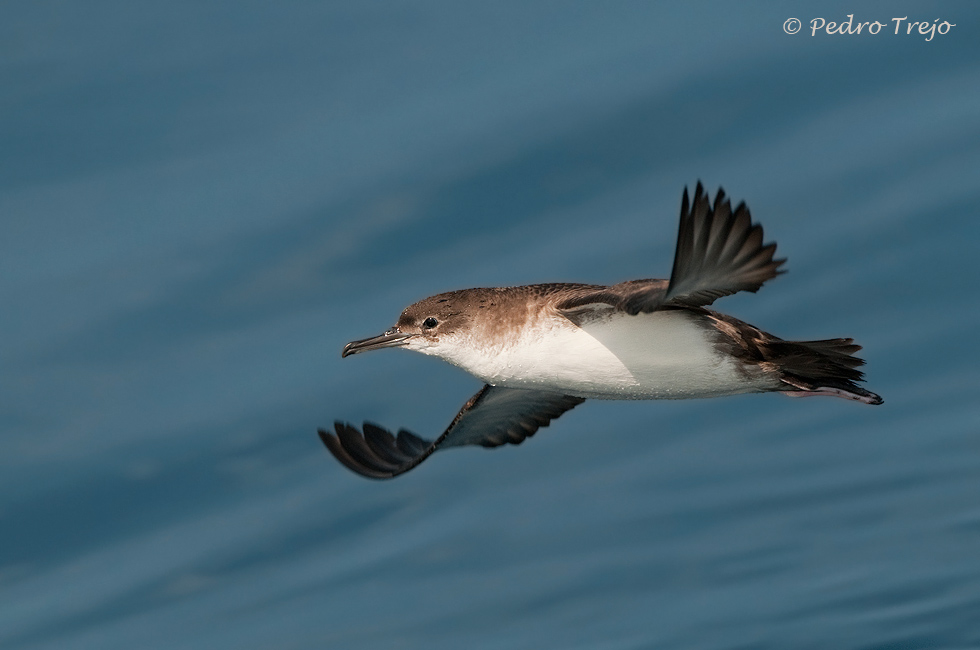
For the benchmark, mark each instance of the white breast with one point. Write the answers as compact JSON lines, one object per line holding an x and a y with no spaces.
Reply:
{"x":662,"y":355}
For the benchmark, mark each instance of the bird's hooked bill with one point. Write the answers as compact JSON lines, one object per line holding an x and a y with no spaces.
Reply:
{"x":390,"y":339}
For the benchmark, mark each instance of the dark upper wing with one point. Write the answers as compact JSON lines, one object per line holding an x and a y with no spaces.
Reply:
{"x":492,"y":417}
{"x":719,"y":252}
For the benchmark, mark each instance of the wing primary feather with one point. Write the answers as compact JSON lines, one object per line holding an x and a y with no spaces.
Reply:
{"x":337,"y":449}
{"x":411,"y":444}
{"x":358,"y":448}
{"x":383,"y":444}
{"x":720,"y":227}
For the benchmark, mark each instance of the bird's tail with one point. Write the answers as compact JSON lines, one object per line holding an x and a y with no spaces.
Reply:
{"x":826,"y":367}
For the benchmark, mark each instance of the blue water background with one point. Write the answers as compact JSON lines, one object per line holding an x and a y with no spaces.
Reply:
{"x":202,"y":202}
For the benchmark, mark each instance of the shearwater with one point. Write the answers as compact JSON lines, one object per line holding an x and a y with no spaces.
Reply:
{"x":543,"y":349}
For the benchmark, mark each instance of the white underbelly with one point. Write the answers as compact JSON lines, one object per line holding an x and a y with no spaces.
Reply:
{"x":663,"y":355}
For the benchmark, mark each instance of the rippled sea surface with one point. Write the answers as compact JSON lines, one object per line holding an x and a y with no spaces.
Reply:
{"x":202,"y":202}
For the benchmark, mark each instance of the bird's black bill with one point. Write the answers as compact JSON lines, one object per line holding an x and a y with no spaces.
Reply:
{"x":390,"y":339}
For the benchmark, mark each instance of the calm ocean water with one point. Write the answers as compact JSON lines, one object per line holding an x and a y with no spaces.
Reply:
{"x":201,"y":203}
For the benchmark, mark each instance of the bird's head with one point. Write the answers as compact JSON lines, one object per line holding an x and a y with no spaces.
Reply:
{"x":423,"y":326}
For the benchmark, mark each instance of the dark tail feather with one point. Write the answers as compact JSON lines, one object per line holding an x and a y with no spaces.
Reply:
{"x":826,"y":367}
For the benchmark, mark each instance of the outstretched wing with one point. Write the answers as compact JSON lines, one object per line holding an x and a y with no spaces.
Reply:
{"x":493,"y":417}
{"x":719,"y":252}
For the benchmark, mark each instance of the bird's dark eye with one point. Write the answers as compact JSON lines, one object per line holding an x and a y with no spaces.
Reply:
{"x":429,"y":323}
